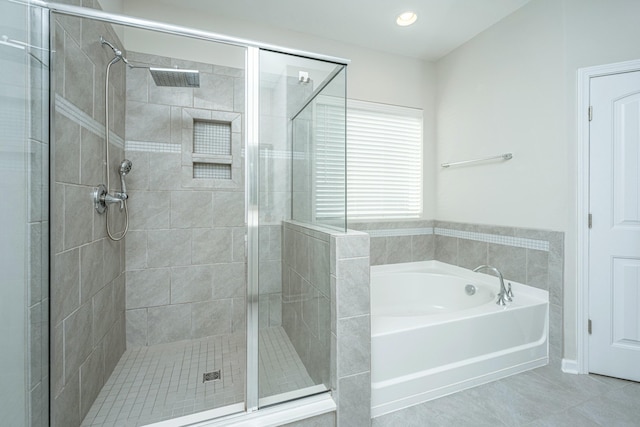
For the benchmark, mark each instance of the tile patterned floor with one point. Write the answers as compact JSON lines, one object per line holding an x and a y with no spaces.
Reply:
{"x":543,"y":397}
{"x":156,"y":383}
{"x":280,"y":368}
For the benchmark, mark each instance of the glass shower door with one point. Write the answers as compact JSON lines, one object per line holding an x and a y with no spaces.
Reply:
{"x":294,"y":298}
{"x":23,"y":251}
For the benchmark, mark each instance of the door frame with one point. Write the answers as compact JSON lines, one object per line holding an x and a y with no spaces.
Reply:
{"x":581,"y":365}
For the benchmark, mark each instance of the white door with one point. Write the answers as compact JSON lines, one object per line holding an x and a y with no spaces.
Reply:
{"x":614,"y":239}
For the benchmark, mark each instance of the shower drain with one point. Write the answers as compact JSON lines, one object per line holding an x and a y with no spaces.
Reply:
{"x":211,"y":376}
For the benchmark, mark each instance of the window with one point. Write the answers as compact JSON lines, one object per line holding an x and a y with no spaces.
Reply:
{"x":329,"y":157}
{"x":384,"y":161}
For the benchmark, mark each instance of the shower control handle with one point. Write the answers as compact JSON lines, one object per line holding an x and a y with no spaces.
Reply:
{"x":121,"y":197}
{"x":109,"y":199}
{"x":101,"y":198}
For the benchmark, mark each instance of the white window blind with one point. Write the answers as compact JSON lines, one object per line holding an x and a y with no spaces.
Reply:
{"x":384,"y":161}
{"x":329,"y":159}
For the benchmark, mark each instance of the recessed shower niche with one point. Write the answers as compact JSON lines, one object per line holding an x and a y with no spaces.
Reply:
{"x":177,"y":310}
{"x":212,"y":154}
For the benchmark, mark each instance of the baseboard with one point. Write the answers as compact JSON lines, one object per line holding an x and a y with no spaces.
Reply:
{"x":570,"y":366}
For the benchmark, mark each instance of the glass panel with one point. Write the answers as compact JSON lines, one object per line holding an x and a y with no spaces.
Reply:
{"x":24,"y":151}
{"x":294,"y":296}
{"x":158,"y":316}
{"x":319,"y":144}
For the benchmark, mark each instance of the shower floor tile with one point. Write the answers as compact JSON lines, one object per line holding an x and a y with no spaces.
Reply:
{"x":160,"y":382}
{"x":280,"y":369}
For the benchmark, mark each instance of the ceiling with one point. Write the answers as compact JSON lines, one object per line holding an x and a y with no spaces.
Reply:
{"x":442,"y":25}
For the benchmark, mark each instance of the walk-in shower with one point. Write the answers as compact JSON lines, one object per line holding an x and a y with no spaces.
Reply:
{"x":183,"y":298}
{"x":166,"y":77}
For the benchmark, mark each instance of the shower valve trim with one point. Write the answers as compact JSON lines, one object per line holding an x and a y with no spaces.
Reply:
{"x":101,"y":196}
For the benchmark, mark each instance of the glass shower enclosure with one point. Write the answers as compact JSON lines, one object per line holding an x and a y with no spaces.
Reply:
{"x":24,"y":145}
{"x":293,"y":284}
{"x":191,"y":305}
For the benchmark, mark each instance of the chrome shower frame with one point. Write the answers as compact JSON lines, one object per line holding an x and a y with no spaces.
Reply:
{"x":252,"y":75}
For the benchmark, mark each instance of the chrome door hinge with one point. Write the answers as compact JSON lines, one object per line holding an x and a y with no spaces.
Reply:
{"x":590,"y":220}
{"x":589,"y":326}
{"x":590,"y":113}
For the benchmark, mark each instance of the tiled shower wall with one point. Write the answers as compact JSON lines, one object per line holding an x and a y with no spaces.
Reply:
{"x":87,"y":297}
{"x":274,"y":201}
{"x":533,"y":257}
{"x":280,"y":97}
{"x":306,"y":297}
{"x":185,"y":251}
{"x":326,"y":312}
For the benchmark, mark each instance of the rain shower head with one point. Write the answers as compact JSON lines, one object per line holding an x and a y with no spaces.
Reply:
{"x":175,"y":77}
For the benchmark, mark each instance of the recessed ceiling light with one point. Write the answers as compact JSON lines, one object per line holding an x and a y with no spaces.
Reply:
{"x":405,"y":19}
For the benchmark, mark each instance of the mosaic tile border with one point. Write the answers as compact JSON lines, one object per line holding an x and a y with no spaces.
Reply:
{"x":518,"y":242}
{"x":267,"y":153}
{"x":153,"y":147}
{"x":160,"y":147}
{"x":73,"y":113}
{"x":397,"y":232}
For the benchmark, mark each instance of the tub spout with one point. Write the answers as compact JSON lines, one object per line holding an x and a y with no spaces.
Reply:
{"x":506,"y":294}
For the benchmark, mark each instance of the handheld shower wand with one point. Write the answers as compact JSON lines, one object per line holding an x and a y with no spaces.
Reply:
{"x":125,"y":168}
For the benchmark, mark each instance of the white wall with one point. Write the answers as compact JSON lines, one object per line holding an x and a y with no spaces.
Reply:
{"x":500,"y":93}
{"x":114,"y":6}
{"x":513,"y":89}
{"x":596,"y":33}
{"x":372,"y":76}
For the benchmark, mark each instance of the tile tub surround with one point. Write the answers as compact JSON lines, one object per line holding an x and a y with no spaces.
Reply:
{"x":185,"y":257}
{"x":529,"y":256}
{"x":399,"y":241}
{"x":534,"y":257}
{"x":351,"y":326}
{"x":87,"y":277}
{"x":348,"y":318}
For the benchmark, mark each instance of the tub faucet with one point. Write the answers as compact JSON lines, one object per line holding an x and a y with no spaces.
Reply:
{"x":506,"y":295}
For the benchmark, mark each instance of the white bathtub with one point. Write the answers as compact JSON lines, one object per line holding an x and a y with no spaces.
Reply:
{"x":429,"y":338}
